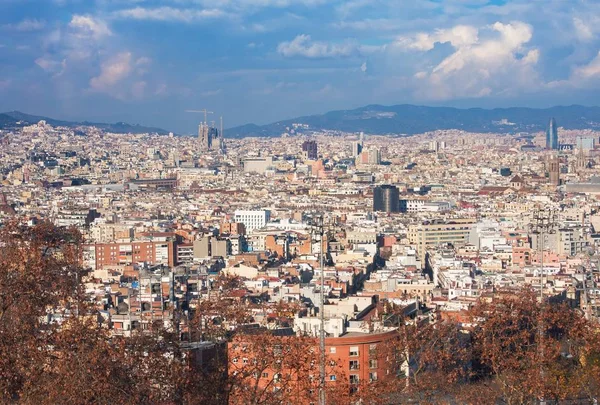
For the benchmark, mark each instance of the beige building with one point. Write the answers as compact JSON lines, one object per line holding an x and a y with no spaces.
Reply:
{"x":437,"y":232}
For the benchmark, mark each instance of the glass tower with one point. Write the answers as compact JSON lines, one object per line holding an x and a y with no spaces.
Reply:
{"x":552,"y":135}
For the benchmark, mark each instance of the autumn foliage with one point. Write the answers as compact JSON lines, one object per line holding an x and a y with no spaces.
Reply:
{"x":56,"y":348}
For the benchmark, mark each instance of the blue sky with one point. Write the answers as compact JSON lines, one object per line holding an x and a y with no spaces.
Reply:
{"x":146,"y":61}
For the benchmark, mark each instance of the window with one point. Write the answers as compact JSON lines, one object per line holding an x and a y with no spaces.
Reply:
{"x":372,"y":363}
{"x":235,"y":360}
{"x":332,"y":378}
{"x":354,"y":351}
{"x":353,"y":364}
{"x":265,"y":375}
{"x":354,"y":379}
{"x":332,"y":350}
{"x":245,"y":360}
{"x":372,"y":377}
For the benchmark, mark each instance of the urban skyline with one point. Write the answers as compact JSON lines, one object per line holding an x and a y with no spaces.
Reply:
{"x":376,"y":255}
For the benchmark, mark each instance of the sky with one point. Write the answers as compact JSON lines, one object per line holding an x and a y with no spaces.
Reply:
{"x":259,"y":61}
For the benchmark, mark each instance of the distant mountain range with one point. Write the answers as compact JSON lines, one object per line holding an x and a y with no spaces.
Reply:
{"x":410,"y":119}
{"x":402,"y":119}
{"x":17,"y":119}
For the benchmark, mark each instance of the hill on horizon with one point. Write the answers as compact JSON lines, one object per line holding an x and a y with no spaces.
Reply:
{"x":17,"y":119}
{"x":406,"y":119}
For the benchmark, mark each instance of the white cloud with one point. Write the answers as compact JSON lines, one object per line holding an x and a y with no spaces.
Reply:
{"x":368,"y":24}
{"x":303,"y":46}
{"x":112,"y":72}
{"x":90,"y":27}
{"x":121,"y":77}
{"x":493,"y":60}
{"x":584,"y":76}
{"x":591,"y":70}
{"x":254,"y":4}
{"x":27,"y":25}
{"x":170,"y":14}
{"x":583,"y":31}
{"x":138,"y":89}
{"x":52,"y":66}
{"x":211,"y":93}
{"x":458,"y":36}
{"x":143,"y":61}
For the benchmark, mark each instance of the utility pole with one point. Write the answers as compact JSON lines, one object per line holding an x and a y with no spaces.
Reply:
{"x":319,"y":228}
{"x":543,"y":224}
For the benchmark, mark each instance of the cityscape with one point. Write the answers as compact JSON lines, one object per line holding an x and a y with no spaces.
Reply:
{"x":344,"y":257}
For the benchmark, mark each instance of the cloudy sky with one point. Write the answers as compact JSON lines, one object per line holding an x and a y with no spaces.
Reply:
{"x":146,"y":61}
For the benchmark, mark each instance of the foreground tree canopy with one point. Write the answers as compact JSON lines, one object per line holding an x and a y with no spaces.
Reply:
{"x":511,"y":350}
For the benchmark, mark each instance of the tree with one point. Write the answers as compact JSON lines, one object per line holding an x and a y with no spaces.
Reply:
{"x":267,"y":369}
{"x":525,"y":351}
{"x":39,"y":274}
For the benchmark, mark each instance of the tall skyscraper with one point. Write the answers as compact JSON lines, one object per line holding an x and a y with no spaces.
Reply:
{"x":356,"y":148}
{"x":310,"y":150}
{"x":374,"y":156}
{"x":386,"y":198}
{"x":552,"y":135}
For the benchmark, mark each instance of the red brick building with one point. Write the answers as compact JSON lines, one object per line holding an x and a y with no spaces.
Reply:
{"x":101,"y":255}
{"x":353,"y":359}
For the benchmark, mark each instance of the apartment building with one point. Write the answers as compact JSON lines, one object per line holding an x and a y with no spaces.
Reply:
{"x":437,"y":232}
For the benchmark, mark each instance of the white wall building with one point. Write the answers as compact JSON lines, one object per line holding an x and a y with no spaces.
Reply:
{"x":253,"y":219}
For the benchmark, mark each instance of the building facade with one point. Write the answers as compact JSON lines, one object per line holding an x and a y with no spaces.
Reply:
{"x":253,"y":219}
{"x":552,"y":135}
{"x":386,"y":198}
{"x":310,"y":150}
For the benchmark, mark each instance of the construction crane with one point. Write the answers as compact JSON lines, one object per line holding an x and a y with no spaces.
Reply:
{"x":205,"y":112}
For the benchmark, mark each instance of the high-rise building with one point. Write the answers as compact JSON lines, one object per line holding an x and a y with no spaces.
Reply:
{"x":374,"y":156}
{"x":386,"y":198}
{"x":552,"y":135}
{"x":310,"y":150}
{"x":357,"y":148}
{"x":585,"y":143}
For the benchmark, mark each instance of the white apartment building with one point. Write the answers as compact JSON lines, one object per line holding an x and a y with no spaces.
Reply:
{"x":253,"y":219}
